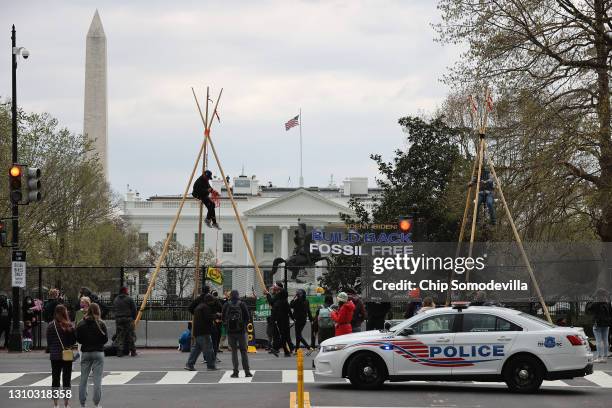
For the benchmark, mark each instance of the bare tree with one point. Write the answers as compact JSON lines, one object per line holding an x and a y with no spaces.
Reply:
{"x":554,"y":55}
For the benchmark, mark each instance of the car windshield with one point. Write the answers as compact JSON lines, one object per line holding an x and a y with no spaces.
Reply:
{"x":399,"y":324}
{"x":537,"y":319}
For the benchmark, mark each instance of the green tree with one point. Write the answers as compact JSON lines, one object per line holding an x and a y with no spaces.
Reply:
{"x":77,"y":222}
{"x":427,"y":177}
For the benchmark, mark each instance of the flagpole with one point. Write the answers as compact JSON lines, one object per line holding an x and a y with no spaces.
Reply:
{"x":301,"y":176}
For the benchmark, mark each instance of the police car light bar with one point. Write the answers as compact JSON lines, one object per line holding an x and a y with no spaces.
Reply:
{"x":460,"y":305}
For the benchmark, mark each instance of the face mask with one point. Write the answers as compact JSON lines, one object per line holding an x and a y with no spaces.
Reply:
{"x":84,"y":306}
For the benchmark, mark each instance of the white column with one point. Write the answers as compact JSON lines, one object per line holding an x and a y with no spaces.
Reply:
{"x":284,"y":241}
{"x":251,"y":237}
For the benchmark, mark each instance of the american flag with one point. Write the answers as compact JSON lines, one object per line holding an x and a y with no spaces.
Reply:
{"x":472,"y":103}
{"x":292,"y":122}
{"x":490,"y":103}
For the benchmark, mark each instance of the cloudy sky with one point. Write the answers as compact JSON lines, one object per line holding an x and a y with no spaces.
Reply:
{"x":353,"y":67}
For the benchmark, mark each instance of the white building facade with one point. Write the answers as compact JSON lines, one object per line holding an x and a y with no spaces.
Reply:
{"x":269,"y":214}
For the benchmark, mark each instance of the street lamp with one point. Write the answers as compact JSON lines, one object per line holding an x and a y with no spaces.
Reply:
{"x":15,"y":341}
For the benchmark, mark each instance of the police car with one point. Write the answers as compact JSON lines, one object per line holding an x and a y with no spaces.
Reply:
{"x":478,"y":343}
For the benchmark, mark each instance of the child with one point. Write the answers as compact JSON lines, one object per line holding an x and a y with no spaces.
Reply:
{"x":185,"y":340}
{"x":27,"y":336}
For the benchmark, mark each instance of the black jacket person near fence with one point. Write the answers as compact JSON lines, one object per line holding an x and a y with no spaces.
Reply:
{"x":236,"y":319}
{"x":124,"y":309}
{"x":301,"y":312}
{"x":281,"y":313}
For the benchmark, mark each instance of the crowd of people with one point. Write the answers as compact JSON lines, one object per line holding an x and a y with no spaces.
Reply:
{"x":77,"y":332}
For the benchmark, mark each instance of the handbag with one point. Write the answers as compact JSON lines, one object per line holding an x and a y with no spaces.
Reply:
{"x":67,"y":354}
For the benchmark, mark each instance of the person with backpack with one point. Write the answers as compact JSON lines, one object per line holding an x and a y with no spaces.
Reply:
{"x":6,"y":315}
{"x":359,"y":314}
{"x":601,"y":311}
{"x":92,"y":334}
{"x":301,"y":312}
{"x":236,"y":318}
{"x":324,"y":325}
{"x":60,"y":340}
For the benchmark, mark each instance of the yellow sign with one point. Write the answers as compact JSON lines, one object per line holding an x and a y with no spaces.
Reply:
{"x":215,"y":275}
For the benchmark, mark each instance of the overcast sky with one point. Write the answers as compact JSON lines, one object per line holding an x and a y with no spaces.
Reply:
{"x":354,"y":67}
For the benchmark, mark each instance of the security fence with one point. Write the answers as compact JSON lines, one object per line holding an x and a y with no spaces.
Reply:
{"x":173,"y":290}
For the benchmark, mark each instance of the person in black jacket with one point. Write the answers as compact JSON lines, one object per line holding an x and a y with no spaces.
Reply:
{"x":50,"y":304}
{"x":377,"y":312}
{"x":281,"y":313}
{"x":125,"y":313}
{"x":236,"y":319}
{"x":201,"y":191}
{"x":203,"y":321}
{"x":60,"y":337}
{"x":91,"y":332}
{"x":6,"y":313}
{"x":301,"y":312}
{"x":601,"y":311}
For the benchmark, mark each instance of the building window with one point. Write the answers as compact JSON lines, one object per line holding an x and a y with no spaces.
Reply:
{"x":228,"y":274}
{"x":195,"y":241}
{"x":171,"y":283}
{"x":143,"y":241}
{"x":228,"y":242}
{"x":268,"y":243}
{"x":143,"y":282}
{"x":173,"y":239}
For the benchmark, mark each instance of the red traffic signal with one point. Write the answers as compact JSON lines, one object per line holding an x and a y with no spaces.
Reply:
{"x":405,"y":224}
{"x":15,"y":193}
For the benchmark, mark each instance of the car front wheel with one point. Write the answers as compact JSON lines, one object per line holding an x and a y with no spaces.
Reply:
{"x":524,"y":374}
{"x":367,"y":371}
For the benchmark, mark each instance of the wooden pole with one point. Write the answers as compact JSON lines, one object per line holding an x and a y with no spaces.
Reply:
{"x":164,"y":252}
{"x":196,"y":286}
{"x":230,"y":195}
{"x":520,"y":242}
{"x":477,"y":190}
{"x":462,"y":230}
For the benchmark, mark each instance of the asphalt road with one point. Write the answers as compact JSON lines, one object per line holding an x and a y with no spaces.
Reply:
{"x":156,"y":379}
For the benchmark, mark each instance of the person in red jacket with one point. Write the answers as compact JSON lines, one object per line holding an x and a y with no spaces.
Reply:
{"x":343,"y":315}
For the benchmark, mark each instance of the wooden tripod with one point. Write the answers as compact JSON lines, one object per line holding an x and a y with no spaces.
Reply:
{"x":207,"y":122}
{"x":477,"y":171}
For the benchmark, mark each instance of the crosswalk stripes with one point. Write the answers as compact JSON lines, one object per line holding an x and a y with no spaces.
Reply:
{"x":177,"y":377}
{"x":227,"y":378}
{"x":119,"y":377}
{"x":599,"y":379}
{"x":46,"y":382}
{"x":8,"y":377}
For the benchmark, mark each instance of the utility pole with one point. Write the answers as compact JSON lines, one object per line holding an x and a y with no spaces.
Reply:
{"x":15,"y":340}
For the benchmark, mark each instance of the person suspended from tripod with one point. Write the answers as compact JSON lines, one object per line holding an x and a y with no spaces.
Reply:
{"x":203,"y":191}
{"x":486,"y":195}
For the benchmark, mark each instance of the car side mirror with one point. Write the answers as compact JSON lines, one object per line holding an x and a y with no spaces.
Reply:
{"x":408,"y":331}
{"x":387,"y":326}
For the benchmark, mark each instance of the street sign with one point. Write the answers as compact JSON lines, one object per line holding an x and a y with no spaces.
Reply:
{"x":18,"y":269}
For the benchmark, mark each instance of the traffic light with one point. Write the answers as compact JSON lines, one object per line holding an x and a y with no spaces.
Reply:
{"x":15,"y":193}
{"x":2,"y":233}
{"x":405,"y":224}
{"x":33,"y":183}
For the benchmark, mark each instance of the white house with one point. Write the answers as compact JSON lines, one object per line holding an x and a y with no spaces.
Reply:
{"x":269,"y":214}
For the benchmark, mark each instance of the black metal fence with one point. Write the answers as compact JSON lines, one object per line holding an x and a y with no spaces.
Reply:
{"x":174,"y":288}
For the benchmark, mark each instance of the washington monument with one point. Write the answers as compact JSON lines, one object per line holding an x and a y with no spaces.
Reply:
{"x":95,"y":112}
